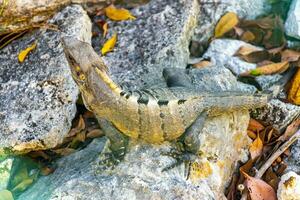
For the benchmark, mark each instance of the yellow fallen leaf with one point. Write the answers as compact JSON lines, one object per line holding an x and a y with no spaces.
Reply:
{"x":256,"y":148}
{"x":22,"y":55}
{"x":268,"y":69}
{"x":109,"y":44}
{"x":248,"y":36}
{"x":226,"y":23}
{"x":105,"y":28}
{"x":294,"y":91}
{"x":202,"y":64}
{"x":118,"y":14}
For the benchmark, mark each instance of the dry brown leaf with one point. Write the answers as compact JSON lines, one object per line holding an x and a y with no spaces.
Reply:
{"x":256,"y":148}
{"x":118,"y":14}
{"x":294,"y":91}
{"x":22,"y":55}
{"x":276,"y":50}
{"x":255,"y":126}
{"x":269,"y":69}
{"x":248,"y":36}
{"x":245,"y":50}
{"x":109,"y":44}
{"x":202,"y":64}
{"x":258,"y":189}
{"x":256,"y":56}
{"x":271,"y":178}
{"x":290,"y":55}
{"x":64,"y":151}
{"x":226,"y":23}
{"x":80,"y":136}
{"x":105,"y":29}
{"x":251,"y":134}
{"x":238,"y":31}
{"x":95,"y":133}
{"x":79,"y":127}
{"x":45,"y":171}
{"x":247,"y":166}
{"x":290,"y":130}
{"x":265,"y":62}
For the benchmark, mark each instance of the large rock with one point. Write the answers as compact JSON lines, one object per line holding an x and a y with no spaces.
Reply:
{"x":225,"y":56}
{"x":277,"y":113}
{"x":292,"y":23}
{"x":211,"y":12}
{"x":138,"y":177}
{"x":158,"y":38}
{"x":38,"y":96}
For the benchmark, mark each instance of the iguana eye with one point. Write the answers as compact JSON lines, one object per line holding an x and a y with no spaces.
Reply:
{"x":82,"y":77}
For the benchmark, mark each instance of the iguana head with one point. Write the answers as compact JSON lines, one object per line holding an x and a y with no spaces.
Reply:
{"x":89,"y":71}
{"x":82,"y":59}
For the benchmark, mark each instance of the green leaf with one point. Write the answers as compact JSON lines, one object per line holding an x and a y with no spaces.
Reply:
{"x":255,"y":72}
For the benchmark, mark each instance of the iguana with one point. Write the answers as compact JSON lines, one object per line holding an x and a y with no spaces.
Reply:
{"x":153,"y":115}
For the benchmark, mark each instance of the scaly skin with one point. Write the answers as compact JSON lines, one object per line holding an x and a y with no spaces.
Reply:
{"x":153,"y":115}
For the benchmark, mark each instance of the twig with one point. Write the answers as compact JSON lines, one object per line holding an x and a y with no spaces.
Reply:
{"x":277,"y":153}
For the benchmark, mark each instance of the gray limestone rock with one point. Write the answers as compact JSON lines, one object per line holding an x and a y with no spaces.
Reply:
{"x":292,"y":23}
{"x":223,"y":79}
{"x":158,"y":38}
{"x":138,"y":177}
{"x":277,"y":113}
{"x":211,"y":12}
{"x":222,"y":51}
{"x":293,"y":162}
{"x":38,"y":96}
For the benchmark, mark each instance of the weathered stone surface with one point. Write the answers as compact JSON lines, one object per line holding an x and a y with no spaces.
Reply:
{"x":292,"y":23}
{"x":267,"y":81}
{"x":38,"y":96}
{"x":222,"y":80}
{"x":211,"y":11}
{"x":138,"y":177}
{"x":158,"y":38}
{"x":293,"y":162}
{"x":5,"y":168}
{"x":277,"y":113}
{"x":289,"y":187}
{"x":221,"y":52}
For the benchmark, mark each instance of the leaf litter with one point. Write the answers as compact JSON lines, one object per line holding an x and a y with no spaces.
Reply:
{"x":259,"y":176}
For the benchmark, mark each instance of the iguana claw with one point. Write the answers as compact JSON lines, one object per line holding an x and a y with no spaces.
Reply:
{"x":181,"y":156}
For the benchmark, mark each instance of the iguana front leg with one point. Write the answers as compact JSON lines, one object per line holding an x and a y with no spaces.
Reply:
{"x":117,"y":145}
{"x":188,"y":145}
